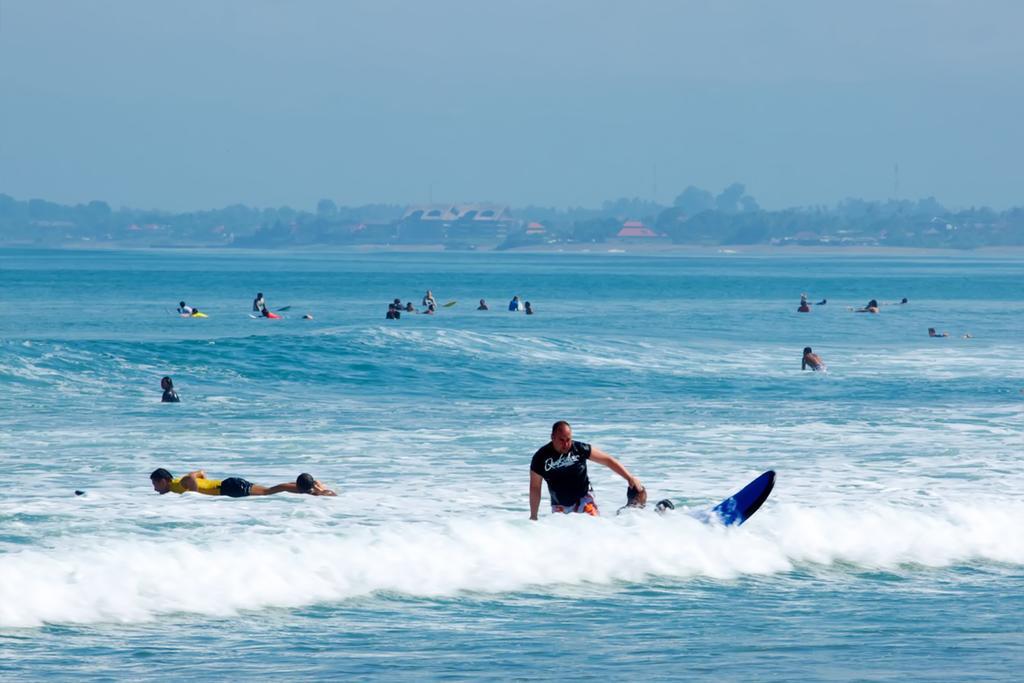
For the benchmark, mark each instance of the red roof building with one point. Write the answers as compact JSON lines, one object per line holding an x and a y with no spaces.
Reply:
{"x":635,"y":229}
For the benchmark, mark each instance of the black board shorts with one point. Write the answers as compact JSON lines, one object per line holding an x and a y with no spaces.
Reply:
{"x":235,"y":487}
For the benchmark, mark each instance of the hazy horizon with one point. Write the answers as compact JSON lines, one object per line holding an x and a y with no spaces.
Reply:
{"x":202,"y":105}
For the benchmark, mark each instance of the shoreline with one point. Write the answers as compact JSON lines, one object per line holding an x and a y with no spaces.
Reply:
{"x":605,"y":249}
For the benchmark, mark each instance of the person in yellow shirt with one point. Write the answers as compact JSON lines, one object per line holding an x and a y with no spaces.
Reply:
{"x":233,"y":487}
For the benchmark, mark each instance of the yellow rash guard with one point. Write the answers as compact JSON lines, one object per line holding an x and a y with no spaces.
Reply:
{"x":210,"y":487}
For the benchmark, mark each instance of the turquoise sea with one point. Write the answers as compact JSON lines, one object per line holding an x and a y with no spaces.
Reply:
{"x":890,"y":550}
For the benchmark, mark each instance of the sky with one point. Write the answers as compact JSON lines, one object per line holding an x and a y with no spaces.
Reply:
{"x":200,"y":104}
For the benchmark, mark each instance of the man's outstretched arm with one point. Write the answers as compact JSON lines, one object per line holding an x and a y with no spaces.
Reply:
{"x":615,"y":466}
{"x":291,"y":487}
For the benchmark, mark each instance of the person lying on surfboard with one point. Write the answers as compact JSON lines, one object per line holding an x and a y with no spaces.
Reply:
{"x":233,"y":487}
{"x":811,"y":360}
{"x":562,"y":463}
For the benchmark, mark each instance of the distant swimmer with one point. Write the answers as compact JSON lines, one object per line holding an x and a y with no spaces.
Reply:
{"x":233,"y":487}
{"x":562,"y":463}
{"x":409,"y":308}
{"x":872,"y":307}
{"x":933,"y":333}
{"x":258,"y":304}
{"x":811,"y":360}
{"x":529,"y":308}
{"x":514,"y":305}
{"x":482,"y":306}
{"x":307,"y":316}
{"x":428,"y":299}
{"x":170,"y":396}
{"x":393,"y":313}
{"x":184,"y":309}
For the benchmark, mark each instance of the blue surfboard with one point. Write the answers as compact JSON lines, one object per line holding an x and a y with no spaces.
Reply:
{"x":738,"y":507}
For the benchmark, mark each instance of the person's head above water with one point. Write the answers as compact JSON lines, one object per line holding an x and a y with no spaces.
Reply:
{"x":166,"y":383}
{"x":161,"y":479}
{"x":305,"y":482}
{"x":561,"y":436}
{"x":807,"y":350}
{"x":181,"y":304}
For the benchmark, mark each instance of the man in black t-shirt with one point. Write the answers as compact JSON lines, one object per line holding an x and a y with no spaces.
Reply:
{"x":562,"y":463}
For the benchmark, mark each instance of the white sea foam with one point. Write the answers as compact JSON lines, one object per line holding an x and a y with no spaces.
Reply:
{"x":129,"y":580}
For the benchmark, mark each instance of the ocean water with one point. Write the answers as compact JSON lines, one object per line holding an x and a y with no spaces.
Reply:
{"x":890,"y":549}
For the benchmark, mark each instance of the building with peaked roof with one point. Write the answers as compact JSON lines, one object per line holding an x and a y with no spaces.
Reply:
{"x":635,"y":229}
{"x":460,"y":223}
{"x":484,"y":213}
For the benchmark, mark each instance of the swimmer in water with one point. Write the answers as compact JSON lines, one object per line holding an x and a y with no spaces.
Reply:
{"x":811,"y":360}
{"x":170,"y":396}
{"x":529,"y":308}
{"x":872,"y":307}
{"x":514,"y":304}
{"x":482,"y":306}
{"x":933,"y":333}
{"x":428,"y":299}
{"x":307,"y":316}
{"x":258,"y":304}
{"x":233,"y":487}
{"x":185,"y":310}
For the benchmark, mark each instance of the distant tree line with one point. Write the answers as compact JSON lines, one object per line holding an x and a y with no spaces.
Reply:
{"x":696,"y":216}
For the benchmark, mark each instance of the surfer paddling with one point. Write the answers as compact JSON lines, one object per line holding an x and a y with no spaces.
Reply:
{"x":233,"y":487}
{"x":562,"y":463}
{"x":811,"y":360}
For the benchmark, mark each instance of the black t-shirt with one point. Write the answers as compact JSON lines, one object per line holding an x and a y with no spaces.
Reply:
{"x":566,"y":474}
